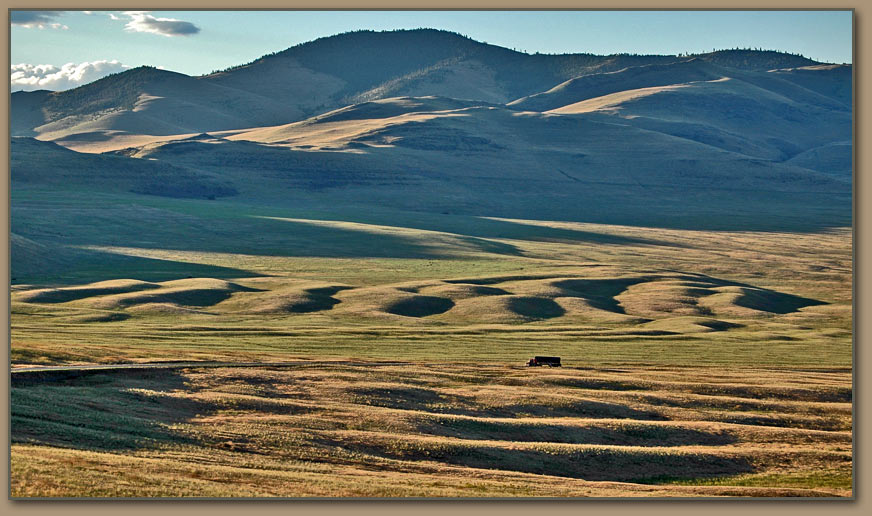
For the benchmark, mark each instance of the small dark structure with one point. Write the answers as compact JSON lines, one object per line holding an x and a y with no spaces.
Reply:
{"x":543,"y":361}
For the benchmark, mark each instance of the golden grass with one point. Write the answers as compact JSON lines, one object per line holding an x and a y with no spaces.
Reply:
{"x":633,"y":300}
{"x":107,"y":141}
{"x":317,"y":135}
{"x":382,"y":429}
{"x":63,"y":295}
{"x":613,"y":100}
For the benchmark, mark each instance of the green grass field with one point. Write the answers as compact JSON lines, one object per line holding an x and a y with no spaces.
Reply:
{"x":698,"y":363}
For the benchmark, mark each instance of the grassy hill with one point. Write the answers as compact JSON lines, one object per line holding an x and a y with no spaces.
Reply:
{"x":729,"y":114}
{"x":445,"y":156}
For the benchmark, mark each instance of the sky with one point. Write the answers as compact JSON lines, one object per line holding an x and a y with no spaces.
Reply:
{"x":59,"y":50}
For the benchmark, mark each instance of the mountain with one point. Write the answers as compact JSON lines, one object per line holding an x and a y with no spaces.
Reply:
{"x":27,"y":111}
{"x":143,"y":100}
{"x":319,"y":76}
{"x":430,"y":121}
{"x":367,"y":65}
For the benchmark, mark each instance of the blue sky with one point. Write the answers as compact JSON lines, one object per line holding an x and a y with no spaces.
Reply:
{"x":197,"y":42}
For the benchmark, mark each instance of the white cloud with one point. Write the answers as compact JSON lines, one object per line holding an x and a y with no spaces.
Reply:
{"x":141,"y":21}
{"x":29,"y":77}
{"x":36,"y":19}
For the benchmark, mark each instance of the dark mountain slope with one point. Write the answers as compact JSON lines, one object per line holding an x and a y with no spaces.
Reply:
{"x":44,"y":164}
{"x":27,"y":111}
{"x":818,"y":86}
{"x":761,"y":114}
{"x":600,"y":84}
{"x":364,"y":60}
{"x":372,"y":65}
{"x":757,"y":60}
{"x":832,"y":158}
{"x":834,"y":81}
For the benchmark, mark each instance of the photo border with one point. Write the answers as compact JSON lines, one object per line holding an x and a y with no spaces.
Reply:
{"x":364,"y":507}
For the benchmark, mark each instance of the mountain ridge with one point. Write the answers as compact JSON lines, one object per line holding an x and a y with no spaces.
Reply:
{"x":326,"y":74}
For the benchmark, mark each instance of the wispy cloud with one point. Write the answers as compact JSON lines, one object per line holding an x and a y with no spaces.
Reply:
{"x":29,"y":77}
{"x":36,"y":19}
{"x":141,"y":21}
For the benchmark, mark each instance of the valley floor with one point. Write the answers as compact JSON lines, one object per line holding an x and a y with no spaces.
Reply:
{"x":698,"y":363}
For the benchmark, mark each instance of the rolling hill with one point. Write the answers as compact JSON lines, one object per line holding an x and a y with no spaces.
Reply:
{"x":442,"y":155}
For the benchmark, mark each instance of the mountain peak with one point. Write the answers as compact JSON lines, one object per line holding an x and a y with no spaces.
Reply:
{"x":420,"y":36}
{"x":144,"y":72}
{"x":115,"y":91}
{"x":408,"y":48}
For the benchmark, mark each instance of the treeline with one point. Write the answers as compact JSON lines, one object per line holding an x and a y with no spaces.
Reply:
{"x":755,"y":59}
{"x":457,"y":40}
{"x":319,"y":44}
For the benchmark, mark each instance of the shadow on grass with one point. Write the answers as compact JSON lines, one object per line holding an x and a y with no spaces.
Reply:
{"x":535,"y":307}
{"x":484,"y":227}
{"x":227,"y":226}
{"x":600,"y":293}
{"x":317,"y":299}
{"x":620,"y":435}
{"x":103,"y":411}
{"x":604,"y":464}
{"x":757,"y":298}
{"x":429,"y":400}
{"x":420,"y":306}
{"x":88,"y":265}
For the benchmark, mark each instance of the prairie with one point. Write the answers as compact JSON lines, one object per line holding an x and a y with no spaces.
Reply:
{"x":693,"y":365}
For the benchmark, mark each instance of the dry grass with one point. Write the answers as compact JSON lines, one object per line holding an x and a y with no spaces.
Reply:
{"x":696,"y":368}
{"x":63,"y":295}
{"x":613,"y":101}
{"x":380,"y":429}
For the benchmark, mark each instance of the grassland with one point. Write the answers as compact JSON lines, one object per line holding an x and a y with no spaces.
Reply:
{"x":380,"y":429}
{"x":221,"y":280}
{"x":699,"y":363}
